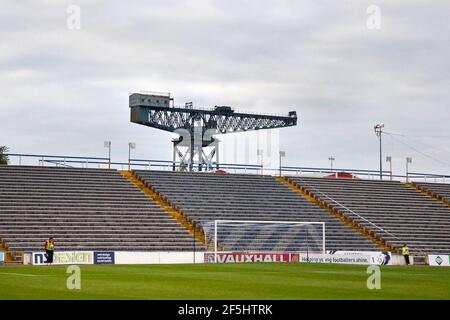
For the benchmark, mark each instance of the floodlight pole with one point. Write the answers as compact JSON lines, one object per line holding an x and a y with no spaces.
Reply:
{"x":107,"y":144}
{"x":331,"y":158}
{"x":408,"y":161}
{"x":379,"y":131}
{"x":129,"y":157}
{"x":131,"y":145}
{"x":389,"y":159}
{"x":260,"y":153}
{"x":381,"y":158}
{"x":282,"y":154}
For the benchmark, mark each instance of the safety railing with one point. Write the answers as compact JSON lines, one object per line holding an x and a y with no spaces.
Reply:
{"x":366,"y":174}
{"x":347,"y":211}
{"x":41,"y":160}
{"x":167,"y":165}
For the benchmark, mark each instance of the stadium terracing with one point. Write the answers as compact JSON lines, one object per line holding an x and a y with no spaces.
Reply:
{"x":149,"y":210}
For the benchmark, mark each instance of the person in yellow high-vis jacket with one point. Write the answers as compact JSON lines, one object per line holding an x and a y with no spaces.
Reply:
{"x":405,"y":253}
{"x":49,"y":247}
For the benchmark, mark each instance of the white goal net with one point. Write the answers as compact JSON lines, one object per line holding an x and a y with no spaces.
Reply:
{"x":241,"y":241}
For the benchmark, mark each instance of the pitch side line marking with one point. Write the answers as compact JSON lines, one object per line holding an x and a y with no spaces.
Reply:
{"x":24,"y":274}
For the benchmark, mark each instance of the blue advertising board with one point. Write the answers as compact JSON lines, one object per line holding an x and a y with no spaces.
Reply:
{"x":2,"y":256}
{"x":104,"y":257}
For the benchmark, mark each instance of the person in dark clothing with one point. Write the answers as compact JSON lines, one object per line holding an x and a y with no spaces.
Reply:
{"x":49,"y":247}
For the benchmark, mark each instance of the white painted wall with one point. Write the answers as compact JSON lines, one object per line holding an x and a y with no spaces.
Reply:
{"x":125,"y":257}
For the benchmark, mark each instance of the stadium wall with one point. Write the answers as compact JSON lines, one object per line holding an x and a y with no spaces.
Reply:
{"x":115,"y":257}
{"x":175,"y":257}
{"x":158,"y":257}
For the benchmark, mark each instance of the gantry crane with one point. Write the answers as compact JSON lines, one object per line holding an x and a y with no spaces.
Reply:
{"x":197,"y":127}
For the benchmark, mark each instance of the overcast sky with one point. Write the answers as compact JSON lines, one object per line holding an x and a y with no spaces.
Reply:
{"x":65,"y":91}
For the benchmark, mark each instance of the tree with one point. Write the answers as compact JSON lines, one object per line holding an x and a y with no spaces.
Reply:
{"x":3,"y":157}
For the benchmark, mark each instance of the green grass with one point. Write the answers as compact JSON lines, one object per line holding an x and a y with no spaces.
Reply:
{"x":232,"y":281}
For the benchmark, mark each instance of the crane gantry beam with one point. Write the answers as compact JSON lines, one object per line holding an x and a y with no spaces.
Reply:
{"x":171,"y":119}
{"x":155,"y":110}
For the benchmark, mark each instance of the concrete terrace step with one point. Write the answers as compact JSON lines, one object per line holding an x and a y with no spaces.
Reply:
{"x":417,"y":219}
{"x":245,"y":197}
{"x":82,"y":208}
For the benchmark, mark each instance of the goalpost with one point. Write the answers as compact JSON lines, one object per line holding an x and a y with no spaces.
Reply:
{"x":250,"y":236}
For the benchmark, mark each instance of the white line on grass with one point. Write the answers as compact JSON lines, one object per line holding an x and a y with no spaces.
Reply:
{"x":23,"y":274}
{"x":335,"y":272}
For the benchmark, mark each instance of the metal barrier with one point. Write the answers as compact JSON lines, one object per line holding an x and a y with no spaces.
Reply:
{"x":167,"y":165}
{"x":347,"y":210}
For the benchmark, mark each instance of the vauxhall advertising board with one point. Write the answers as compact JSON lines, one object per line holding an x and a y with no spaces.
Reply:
{"x":249,"y":257}
{"x":337,"y":257}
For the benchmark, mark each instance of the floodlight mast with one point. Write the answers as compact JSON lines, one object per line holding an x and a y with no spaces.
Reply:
{"x":197,"y":127}
{"x":379,"y":131}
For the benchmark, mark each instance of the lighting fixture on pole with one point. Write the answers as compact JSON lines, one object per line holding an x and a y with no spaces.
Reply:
{"x":131,"y":145}
{"x":331,"y":158}
{"x":259,"y":153}
{"x":282,"y":155}
{"x":389,"y":159}
{"x":379,"y":131}
{"x":107,"y":144}
{"x":408,"y":162}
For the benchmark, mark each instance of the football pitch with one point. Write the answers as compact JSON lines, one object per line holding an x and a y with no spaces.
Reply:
{"x":225,"y":281}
